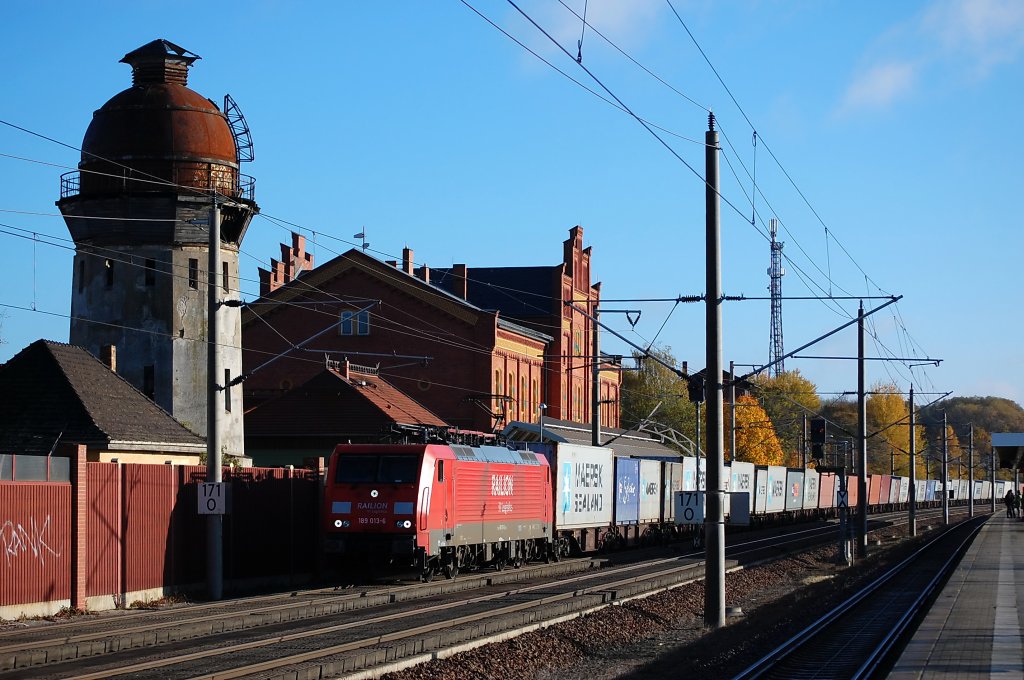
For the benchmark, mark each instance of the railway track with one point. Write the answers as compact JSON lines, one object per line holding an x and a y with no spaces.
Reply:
{"x":860,"y":636}
{"x":327,"y":631}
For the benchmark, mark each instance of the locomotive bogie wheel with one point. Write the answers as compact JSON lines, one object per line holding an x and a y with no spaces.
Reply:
{"x":451,"y":569}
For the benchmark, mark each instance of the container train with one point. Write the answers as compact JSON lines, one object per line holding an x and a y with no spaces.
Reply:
{"x":443,"y":508}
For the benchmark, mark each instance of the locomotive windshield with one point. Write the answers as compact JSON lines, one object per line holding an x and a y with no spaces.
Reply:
{"x":369,"y":468}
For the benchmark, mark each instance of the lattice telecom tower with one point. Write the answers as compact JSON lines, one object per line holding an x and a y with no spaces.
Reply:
{"x":775,"y":274}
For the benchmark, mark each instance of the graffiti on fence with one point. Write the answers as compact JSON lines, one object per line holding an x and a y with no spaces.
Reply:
{"x":17,"y":540}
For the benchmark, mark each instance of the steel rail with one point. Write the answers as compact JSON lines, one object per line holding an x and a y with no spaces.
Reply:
{"x":896,"y":633}
{"x":805,"y":636}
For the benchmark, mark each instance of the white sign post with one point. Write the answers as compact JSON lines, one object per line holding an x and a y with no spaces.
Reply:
{"x":212,"y":498}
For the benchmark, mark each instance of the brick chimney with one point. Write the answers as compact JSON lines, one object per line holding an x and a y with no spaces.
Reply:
{"x":460,"y":286}
{"x":108,"y":355}
{"x":407,"y":260}
{"x":424,"y":273}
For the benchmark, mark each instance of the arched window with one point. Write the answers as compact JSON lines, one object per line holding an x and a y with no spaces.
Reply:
{"x":524,"y":399}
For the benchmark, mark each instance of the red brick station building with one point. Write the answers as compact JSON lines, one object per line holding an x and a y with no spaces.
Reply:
{"x":470,"y":348}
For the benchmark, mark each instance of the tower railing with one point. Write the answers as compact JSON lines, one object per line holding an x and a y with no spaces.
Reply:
{"x":188,"y":174}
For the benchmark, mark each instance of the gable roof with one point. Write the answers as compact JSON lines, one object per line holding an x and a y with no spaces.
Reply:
{"x":51,"y":390}
{"x":332,"y":404}
{"x":314,"y":280}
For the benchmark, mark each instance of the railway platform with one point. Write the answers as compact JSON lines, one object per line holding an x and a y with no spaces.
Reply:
{"x":974,"y":628}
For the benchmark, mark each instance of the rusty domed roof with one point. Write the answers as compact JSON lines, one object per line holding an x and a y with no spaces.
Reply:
{"x":158,"y":125}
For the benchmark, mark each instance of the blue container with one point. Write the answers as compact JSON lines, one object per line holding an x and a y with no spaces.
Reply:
{"x":627,"y":491}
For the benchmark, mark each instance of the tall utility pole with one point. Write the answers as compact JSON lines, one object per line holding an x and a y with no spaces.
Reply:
{"x":714,"y":576}
{"x":970,"y":474}
{"x":595,"y":388}
{"x":913,"y":469}
{"x":862,"y":436}
{"x":803,"y":445}
{"x":732,"y":411}
{"x":945,"y":471}
{"x":215,"y":523}
{"x":775,"y":274}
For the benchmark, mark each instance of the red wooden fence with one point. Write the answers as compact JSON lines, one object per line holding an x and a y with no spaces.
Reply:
{"x":140,"y":532}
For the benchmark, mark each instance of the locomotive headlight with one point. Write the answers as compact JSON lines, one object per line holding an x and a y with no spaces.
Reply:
{"x":374,"y":493}
{"x":342,"y":523}
{"x":337,"y":523}
{"x":403,"y":524}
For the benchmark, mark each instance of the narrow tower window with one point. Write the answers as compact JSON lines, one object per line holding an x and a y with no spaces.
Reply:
{"x":227,"y":390}
{"x":193,"y":273}
{"x":81,"y":276}
{"x":150,"y":272}
{"x":224,"y":276}
{"x":109,"y":266}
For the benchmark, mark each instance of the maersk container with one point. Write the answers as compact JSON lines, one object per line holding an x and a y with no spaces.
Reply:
{"x":812,"y":482}
{"x":761,"y":490}
{"x":689,"y":474}
{"x":794,"y":489}
{"x":776,"y":501}
{"x":741,"y":480}
{"x":627,"y":490}
{"x":650,"y":491}
{"x":585,"y":486}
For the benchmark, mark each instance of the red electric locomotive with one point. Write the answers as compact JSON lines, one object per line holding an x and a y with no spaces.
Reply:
{"x":440,"y":508}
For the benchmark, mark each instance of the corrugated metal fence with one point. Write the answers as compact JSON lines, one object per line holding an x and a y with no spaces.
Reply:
{"x":143,"y":532}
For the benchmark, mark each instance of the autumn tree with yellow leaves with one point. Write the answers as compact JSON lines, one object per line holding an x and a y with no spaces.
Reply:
{"x":756,"y":441}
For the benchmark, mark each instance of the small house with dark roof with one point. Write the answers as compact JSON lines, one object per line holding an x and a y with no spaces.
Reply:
{"x":341,"y":404}
{"x":52,"y":393}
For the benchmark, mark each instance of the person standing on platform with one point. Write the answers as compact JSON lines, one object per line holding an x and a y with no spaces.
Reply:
{"x":1011,"y":502}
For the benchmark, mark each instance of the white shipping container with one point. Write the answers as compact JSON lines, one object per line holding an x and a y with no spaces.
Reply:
{"x":904,"y":496}
{"x":741,"y":480}
{"x":811,"y":486}
{"x":585,"y":486}
{"x":672,"y":481}
{"x":650,"y":491}
{"x":776,"y":499}
{"x":761,"y":492}
{"x":794,"y":489}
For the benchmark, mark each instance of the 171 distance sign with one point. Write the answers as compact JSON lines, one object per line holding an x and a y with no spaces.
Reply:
{"x":212,"y":498}
{"x":689,"y":507}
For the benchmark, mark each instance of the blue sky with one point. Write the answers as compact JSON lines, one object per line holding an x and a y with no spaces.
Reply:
{"x":898,"y":124}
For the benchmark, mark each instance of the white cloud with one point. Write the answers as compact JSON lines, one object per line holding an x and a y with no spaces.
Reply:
{"x":984,"y":33}
{"x":951,"y":40}
{"x":879,"y":86}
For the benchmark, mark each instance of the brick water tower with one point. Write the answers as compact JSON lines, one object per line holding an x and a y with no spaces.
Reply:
{"x":155,"y":160}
